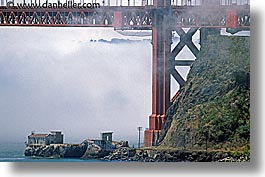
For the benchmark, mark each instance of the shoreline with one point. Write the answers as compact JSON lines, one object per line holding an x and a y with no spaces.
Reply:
{"x":128,"y":154}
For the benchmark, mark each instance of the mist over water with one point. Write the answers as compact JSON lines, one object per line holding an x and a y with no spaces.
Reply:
{"x":58,"y":80}
{"x":61,"y":79}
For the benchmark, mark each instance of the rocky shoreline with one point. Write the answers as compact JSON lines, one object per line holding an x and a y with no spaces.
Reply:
{"x":127,"y":154}
{"x":158,"y":155}
{"x":87,"y":150}
{"x":56,"y":150}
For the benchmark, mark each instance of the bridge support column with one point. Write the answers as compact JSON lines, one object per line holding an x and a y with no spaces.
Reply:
{"x":161,"y":69}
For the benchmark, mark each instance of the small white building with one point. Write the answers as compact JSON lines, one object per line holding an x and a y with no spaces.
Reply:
{"x":54,"y":137}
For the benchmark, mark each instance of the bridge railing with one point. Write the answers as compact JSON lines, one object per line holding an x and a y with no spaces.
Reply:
{"x":128,"y":17}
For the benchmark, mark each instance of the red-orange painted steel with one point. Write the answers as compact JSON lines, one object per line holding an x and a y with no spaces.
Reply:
{"x":117,"y":19}
{"x":231,"y":18}
{"x":136,"y":17}
{"x":161,"y":40}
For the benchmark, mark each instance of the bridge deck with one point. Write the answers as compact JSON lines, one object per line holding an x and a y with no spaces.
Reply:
{"x":127,"y":17}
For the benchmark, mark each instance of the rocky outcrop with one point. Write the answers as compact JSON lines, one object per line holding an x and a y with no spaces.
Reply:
{"x":93,"y":151}
{"x":57,"y":150}
{"x":119,"y":144}
{"x":173,"y":155}
{"x":213,"y":107}
{"x":86,"y":150}
{"x":122,"y":153}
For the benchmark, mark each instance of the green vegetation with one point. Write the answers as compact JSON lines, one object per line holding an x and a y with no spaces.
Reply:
{"x":214,"y":104}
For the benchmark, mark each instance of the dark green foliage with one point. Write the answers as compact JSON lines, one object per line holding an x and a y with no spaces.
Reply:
{"x":214,"y":104}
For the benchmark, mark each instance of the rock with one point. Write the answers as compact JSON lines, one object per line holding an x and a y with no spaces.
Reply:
{"x":168,"y":157}
{"x":122,"y":153}
{"x":131,"y":152}
{"x":29,"y":151}
{"x":119,"y":144}
{"x":75,"y":151}
{"x":63,"y":150}
{"x":176,"y":155}
{"x":215,"y":100}
{"x":94,"y":151}
{"x":217,"y":156}
{"x":156,"y":156}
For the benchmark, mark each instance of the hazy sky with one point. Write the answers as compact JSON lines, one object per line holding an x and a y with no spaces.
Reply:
{"x":55,"y":79}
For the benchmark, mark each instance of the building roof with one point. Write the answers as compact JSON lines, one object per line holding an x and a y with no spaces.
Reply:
{"x":38,"y":135}
{"x":56,"y":131}
{"x":106,"y":132}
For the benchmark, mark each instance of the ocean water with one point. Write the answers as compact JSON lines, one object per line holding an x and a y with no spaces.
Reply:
{"x":14,"y":152}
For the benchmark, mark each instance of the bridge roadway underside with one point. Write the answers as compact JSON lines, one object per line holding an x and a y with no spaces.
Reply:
{"x":162,"y":21}
{"x":128,"y":17}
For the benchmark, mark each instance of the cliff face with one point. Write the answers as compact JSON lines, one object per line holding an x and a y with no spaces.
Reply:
{"x":213,"y":106}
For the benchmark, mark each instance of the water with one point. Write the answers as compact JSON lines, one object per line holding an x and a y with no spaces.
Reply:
{"x":14,"y":152}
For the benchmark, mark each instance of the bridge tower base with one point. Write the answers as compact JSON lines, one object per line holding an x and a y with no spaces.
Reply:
{"x":161,"y":69}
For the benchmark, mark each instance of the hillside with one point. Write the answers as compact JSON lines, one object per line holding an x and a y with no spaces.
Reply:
{"x":214,"y":104}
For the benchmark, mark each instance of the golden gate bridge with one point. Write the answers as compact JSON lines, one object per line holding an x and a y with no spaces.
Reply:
{"x":160,"y":16}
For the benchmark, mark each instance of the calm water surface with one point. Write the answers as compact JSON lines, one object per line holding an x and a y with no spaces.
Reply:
{"x":14,"y":152}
